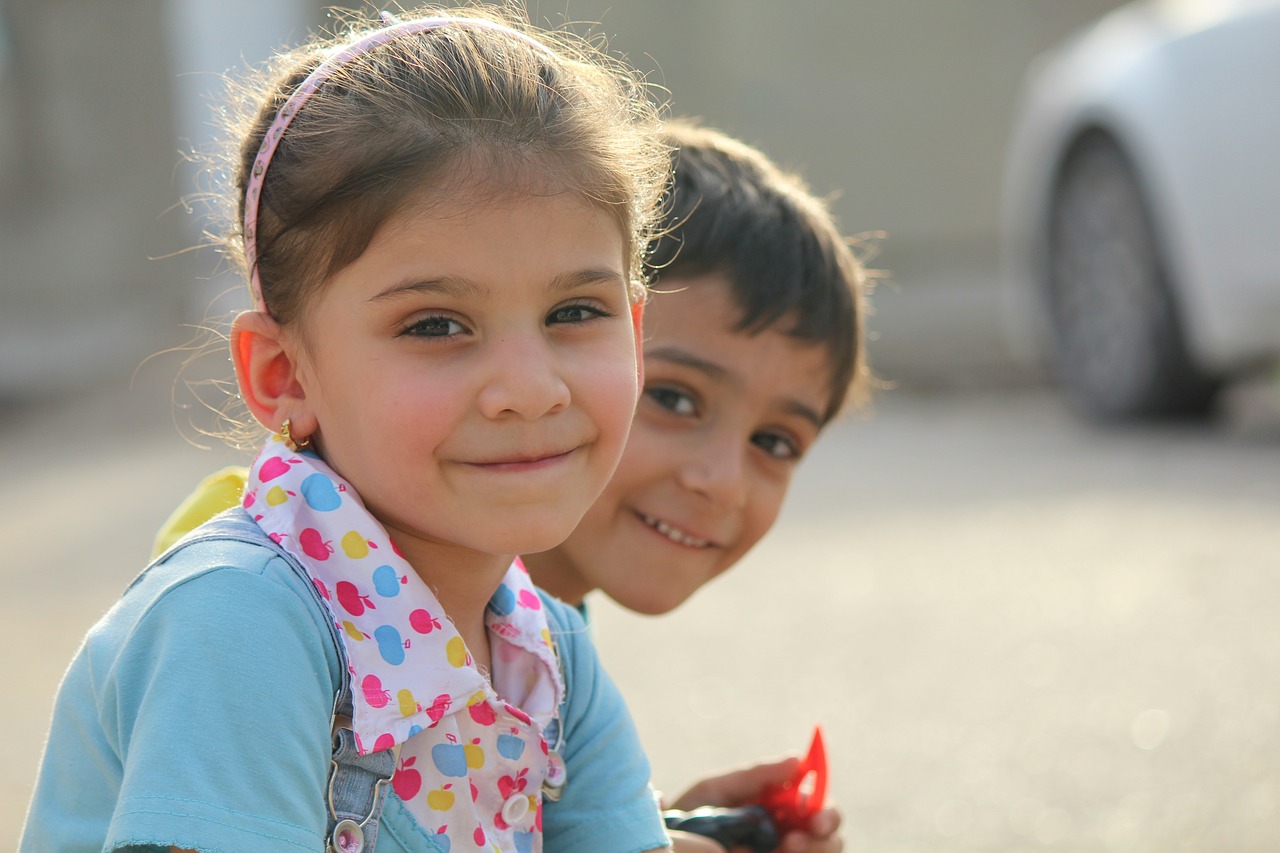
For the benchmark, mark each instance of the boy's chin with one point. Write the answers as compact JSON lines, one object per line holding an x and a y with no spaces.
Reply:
{"x":651,"y":599}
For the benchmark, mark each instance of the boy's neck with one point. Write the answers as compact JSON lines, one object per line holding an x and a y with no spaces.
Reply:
{"x":553,"y":571}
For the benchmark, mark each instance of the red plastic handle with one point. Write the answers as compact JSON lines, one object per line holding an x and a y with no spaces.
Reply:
{"x":794,"y":803}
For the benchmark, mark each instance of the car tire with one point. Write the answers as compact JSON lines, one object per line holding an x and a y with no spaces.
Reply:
{"x":1118,"y":346}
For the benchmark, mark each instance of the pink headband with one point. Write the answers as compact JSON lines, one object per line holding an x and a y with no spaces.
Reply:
{"x":300,"y":96}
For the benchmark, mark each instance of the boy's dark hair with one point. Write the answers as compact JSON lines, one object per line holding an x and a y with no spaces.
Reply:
{"x":732,"y":211}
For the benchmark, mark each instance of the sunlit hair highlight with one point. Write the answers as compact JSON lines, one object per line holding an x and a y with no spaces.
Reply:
{"x":482,"y":109}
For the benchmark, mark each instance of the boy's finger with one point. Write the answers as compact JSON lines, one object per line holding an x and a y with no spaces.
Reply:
{"x":737,"y":787}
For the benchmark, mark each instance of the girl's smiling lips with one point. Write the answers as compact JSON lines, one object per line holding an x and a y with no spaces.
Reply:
{"x":518,"y":462}
{"x":673,"y":533}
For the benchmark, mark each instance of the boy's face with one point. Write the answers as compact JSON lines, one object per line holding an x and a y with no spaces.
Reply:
{"x":721,"y":424}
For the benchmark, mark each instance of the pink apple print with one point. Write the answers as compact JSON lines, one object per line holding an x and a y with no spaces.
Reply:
{"x":508,"y":785}
{"x":439,"y":707}
{"x":384,"y":741}
{"x":406,"y":781}
{"x":529,"y":600}
{"x":275,"y":537}
{"x":478,"y":836}
{"x":249,"y":498}
{"x":350,"y":598}
{"x":272,"y":468}
{"x":517,"y":713}
{"x":475,"y":792}
{"x":314,"y":545}
{"x":482,"y":713}
{"x":321,"y":588}
{"x":374,"y":694}
{"x":423,"y":622}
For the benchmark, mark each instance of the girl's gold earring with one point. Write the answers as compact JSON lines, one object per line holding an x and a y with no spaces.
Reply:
{"x":290,"y":442}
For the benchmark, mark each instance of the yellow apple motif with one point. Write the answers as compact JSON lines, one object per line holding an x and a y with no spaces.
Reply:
{"x":352,"y":631}
{"x":408,"y":705}
{"x":456,"y":651}
{"x":476,"y":698}
{"x":475,"y":756}
{"x":353,"y":544}
{"x":441,"y":799}
{"x":276,"y":496}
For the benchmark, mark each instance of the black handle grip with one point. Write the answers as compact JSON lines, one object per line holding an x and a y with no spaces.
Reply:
{"x":749,"y":826}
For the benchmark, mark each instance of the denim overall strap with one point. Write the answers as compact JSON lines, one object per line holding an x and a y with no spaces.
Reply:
{"x":357,"y":785}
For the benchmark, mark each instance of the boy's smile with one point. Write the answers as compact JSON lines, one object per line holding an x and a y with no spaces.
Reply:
{"x":473,"y":373}
{"x":723,"y":420}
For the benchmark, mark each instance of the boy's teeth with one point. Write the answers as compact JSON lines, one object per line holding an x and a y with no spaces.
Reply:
{"x":675,"y":534}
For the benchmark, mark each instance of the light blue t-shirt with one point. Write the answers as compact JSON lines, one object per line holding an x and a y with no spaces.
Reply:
{"x":169,"y":728}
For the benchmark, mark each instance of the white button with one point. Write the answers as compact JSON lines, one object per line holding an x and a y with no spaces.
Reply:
{"x":515,"y":811}
{"x":347,"y":837}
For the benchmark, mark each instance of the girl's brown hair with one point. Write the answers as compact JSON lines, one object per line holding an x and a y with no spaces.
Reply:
{"x":473,"y":109}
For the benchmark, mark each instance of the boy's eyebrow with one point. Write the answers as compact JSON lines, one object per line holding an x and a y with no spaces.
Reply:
{"x":675,"y":355}
{"x":458,"y":286}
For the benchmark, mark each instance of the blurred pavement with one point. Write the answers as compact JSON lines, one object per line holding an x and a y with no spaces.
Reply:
{"x":1019,"y":631}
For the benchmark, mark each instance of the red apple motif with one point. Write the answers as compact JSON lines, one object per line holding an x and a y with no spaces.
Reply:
{"x":314,"y":545}
{"x":439,"y":707}
{"x":272,"y":468}
{"x":483,"y":713}
{"x":350,"y":598}
{"x":406,"y":781}
{"x":373,"y":692}
{"x":422,"y":621}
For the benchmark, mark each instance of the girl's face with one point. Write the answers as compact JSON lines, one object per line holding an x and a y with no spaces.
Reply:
{"x":473,"y":373}
{"x":723,"y":421}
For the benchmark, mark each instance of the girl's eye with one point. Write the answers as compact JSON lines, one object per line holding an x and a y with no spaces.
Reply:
{"x":434,"y":327}
{"x":777,"y":446}
{"x":673,"y":400}
{"x":574,"y":314}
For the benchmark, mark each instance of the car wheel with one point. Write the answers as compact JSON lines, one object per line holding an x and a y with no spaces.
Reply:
{"x":1118,"y":345}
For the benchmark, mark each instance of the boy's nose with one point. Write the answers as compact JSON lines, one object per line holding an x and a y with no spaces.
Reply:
{"x":523,"y":379}
{"x":718,"y":473}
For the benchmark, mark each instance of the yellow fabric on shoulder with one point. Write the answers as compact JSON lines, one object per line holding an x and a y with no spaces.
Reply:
{"x":217,"y":492}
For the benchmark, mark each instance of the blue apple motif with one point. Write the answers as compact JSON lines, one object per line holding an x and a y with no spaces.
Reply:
{"x":320,"y":493}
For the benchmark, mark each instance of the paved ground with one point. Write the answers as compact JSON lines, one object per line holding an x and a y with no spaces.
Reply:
{"x":1019,"y":632}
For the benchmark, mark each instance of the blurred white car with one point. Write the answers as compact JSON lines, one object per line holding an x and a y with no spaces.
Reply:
{"x":1141,"y":205}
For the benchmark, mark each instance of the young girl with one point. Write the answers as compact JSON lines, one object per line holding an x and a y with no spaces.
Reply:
{"x":442,"y":223}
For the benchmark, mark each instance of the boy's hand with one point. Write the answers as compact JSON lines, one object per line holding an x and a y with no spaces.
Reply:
{"x":741,"y":787}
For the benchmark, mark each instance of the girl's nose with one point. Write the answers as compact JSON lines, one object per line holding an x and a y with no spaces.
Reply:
{"x":717,"y":471}
{"x":524,"y":380}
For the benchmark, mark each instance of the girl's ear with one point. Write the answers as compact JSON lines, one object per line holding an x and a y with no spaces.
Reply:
{"x":267,"y":371}
{"x":637,"y":321}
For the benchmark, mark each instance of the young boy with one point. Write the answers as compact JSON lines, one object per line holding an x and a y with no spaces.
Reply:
{"x":753,"y":343}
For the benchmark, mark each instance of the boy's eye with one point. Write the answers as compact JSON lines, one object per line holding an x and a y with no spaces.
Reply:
{"x":576,"y":313}
{"x":673,"y":400}
{"x":434,"y":327}
{"x":777,"y":446}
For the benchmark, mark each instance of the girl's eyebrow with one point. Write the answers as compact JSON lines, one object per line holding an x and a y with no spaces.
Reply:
{"x":459,"y":287}
{"x":675,"y":355}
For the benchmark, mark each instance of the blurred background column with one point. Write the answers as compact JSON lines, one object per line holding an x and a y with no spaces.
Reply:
{"x":208,"y":38}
